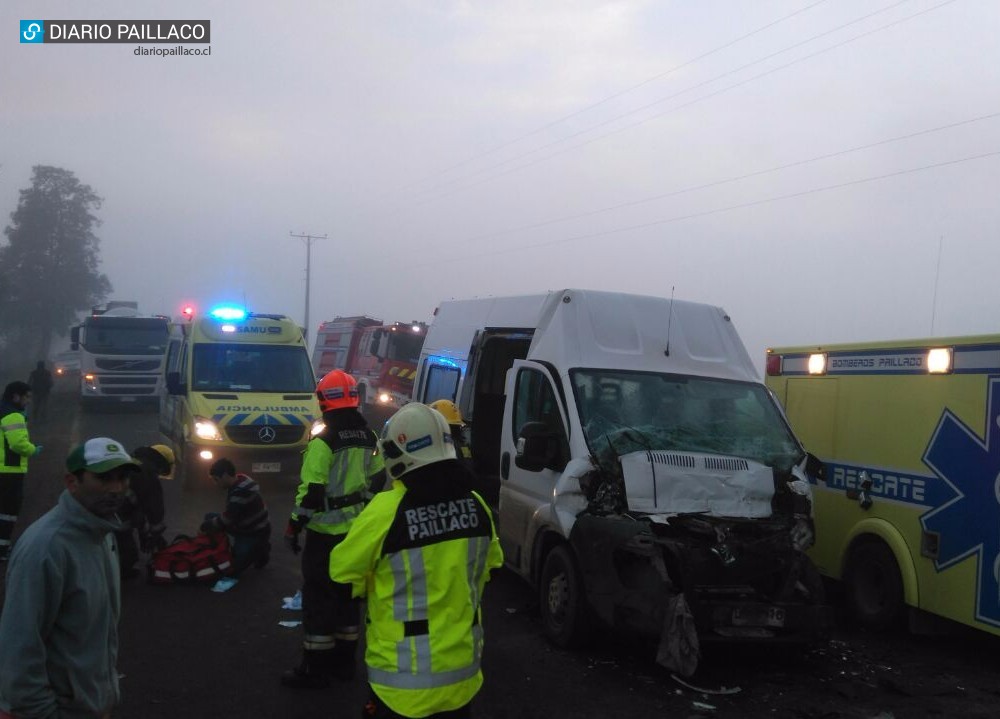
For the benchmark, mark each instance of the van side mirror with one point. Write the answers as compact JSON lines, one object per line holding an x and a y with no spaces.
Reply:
{"x":538,"y":448}
{"x":815,"y":467}
{"x":174,"y":385}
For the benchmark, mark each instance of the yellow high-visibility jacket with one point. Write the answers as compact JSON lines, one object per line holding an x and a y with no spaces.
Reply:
{"x":337,"y":472}
{"x":16,"y":445}
{"x":423,"y":565}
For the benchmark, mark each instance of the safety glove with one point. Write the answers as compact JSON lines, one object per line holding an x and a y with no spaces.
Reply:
{"x":292,"y":536}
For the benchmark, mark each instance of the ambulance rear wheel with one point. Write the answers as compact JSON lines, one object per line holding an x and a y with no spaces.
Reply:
{"x":874,"y":585}
{"x":564,"y":609}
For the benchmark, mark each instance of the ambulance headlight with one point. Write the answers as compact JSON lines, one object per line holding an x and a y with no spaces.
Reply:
{"x":385,"y":398}
{"x":206,"y":429}
{"x":939,"y":360}
{"x":317,"y":428}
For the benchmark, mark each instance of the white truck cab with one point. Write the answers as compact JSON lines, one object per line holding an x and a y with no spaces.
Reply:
{"x":646,"y":476}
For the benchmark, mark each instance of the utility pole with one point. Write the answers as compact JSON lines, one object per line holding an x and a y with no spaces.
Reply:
{"x":309,"y":239}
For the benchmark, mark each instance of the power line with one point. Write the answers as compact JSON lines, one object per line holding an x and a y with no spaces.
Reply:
{"x":728,"y":180}
{"x":611,"y":97}
{"x":706,"y":213}
{"x":453,"y":185}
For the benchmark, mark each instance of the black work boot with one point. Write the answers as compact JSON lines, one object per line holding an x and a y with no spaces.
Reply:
{"x":312,"y":673}
{"x":342,"y":664}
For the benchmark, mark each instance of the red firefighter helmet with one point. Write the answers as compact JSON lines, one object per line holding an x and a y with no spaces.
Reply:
{"x":337,"y":390}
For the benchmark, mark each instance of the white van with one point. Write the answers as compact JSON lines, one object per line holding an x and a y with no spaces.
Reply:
{"x":646,"y":476}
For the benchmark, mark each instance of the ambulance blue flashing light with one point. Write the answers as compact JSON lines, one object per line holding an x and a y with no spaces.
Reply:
{"x":228,"y":313}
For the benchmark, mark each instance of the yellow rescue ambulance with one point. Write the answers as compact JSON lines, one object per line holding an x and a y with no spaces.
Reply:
{"x":239,"y":385}
{"x":908,"y":508}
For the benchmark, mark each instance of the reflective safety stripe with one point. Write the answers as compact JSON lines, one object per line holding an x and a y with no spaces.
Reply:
{"x":4,"y":542}
{"x":335,"y":488}
{"x":319,"y":642}
{"x":303,"y":512}
{"x":9,"y":427}
{"x":8,"y":517}
{"x":398,"y":680}
{"x":410,"y":608}
{"x":348,"y":633}
{"x":479,"y":548}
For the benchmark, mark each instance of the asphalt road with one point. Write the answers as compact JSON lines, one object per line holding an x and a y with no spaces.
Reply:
{"x":188,"y":652}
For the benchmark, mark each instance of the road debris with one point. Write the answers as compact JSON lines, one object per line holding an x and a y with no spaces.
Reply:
{"x":702,"y":690}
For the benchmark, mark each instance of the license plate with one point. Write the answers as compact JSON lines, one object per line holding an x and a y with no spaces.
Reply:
{"x":264,"y":467}
{"x":758,"y":617}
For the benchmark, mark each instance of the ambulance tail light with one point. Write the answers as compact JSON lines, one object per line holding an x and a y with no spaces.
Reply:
{"x":939,"y":360}
{"x":773,"y":367}
{"x":817,"y":363}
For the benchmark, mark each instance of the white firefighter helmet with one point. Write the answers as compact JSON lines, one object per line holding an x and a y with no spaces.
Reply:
{"x":414,"y":437}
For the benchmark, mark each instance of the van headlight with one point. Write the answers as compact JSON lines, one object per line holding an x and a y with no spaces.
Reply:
{"x":317,"y":428}
{"x":206,"y":429}
{"x":385,"y":398}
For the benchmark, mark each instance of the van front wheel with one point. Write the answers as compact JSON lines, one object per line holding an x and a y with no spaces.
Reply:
{"x":561,"y":597}
{"x":874,"y":585}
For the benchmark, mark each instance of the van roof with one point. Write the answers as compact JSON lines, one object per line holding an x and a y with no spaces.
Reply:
{"x":611,"y":330}
{"x":614,"y":330}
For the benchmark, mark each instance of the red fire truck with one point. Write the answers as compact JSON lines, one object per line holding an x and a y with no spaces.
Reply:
{"x":381,"y":357}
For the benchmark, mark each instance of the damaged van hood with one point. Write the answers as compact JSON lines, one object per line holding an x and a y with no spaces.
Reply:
{"x":672,"y":483}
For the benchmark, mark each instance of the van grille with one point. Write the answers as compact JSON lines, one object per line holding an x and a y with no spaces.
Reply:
{"x":673,"y":460}
{"x":727,"y":464}
{"x":250,"y":433}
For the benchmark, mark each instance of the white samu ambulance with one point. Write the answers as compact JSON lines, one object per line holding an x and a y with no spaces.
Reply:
{"x":908,"y":514}
{"x":646,"y":477}
{"x":239,"y":385}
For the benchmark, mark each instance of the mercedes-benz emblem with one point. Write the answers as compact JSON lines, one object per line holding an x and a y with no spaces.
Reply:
{"x":266,"y":434}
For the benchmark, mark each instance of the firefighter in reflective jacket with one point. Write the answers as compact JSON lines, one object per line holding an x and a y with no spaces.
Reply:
{"x":453,"y":416}
{"x":341,"y":467}
{"x":14,"y":462}
{"x":421,"y":553}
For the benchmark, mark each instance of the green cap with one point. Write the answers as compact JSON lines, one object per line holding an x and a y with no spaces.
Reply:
{"x":99,"y":455}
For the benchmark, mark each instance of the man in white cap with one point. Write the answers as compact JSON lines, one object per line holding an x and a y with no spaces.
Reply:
{"x":59,"y":626}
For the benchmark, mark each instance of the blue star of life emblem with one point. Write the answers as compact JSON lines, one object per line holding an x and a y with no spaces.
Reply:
{"x":969,"y":524}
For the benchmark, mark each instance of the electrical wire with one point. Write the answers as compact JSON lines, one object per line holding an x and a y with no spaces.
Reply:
{"x":609,"y":98}
{"x":715,"y":211}
{"x":729,"y":180}
{"x":453,"y":185}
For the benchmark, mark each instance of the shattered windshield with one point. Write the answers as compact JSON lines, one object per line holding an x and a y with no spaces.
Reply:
{"x":624,"y":412}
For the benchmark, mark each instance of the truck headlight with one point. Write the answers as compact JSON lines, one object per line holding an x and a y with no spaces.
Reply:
{"x":206,"y":429}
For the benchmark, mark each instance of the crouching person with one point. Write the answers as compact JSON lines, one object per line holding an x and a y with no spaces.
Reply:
{"x":430,"y":539}
{"x":245,"y":519}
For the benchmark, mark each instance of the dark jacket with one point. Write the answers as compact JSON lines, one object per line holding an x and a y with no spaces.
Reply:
{"x":246,"y":511}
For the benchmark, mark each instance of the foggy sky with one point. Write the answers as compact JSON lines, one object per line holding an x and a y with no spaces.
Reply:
{"x":460,"y":149}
